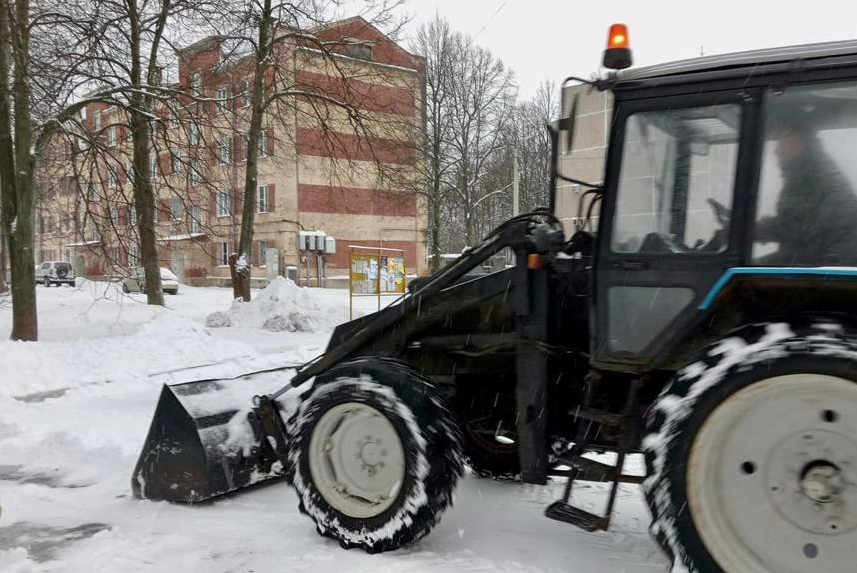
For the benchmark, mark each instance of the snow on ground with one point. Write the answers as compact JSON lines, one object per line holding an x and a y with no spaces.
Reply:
{"x":75,"y":409}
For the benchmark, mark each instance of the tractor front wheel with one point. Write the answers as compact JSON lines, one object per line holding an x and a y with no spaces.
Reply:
{"x":375,"y":454}
{"x":752,"y":454}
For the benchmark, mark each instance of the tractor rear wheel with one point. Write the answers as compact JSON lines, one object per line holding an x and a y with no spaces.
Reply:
{"x":752,"y":454}
{"x":375,"y":454}
{"x":487,"y":416}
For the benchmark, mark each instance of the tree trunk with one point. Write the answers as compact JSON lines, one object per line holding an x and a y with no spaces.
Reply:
{"x":3,"y":286}
{"x":241,"y":273}
{"x":435,"y":224}
{"x":144,"y":196}
{"x":144,"y":200}
{"x":16,"y":167}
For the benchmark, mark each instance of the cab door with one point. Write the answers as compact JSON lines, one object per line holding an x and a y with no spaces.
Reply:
{"x":677,"y":166}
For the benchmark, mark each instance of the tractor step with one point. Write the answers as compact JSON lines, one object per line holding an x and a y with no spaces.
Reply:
{"x":562,"y":511}
{"x":585,"y":469}
{"x":592,"y":470}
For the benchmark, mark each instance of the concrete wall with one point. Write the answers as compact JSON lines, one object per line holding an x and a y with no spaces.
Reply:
{"x":586,"y":158}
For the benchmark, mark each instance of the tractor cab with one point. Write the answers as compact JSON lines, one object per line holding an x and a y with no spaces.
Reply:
{"x":727,"y":182}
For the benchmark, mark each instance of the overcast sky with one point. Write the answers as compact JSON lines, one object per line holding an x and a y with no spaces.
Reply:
{"x":551,"y":39}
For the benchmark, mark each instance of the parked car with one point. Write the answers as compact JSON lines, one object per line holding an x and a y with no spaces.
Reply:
{"x":137,"y":282}
{"x":55,"y":273}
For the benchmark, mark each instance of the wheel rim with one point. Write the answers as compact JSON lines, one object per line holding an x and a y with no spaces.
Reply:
{"x":357,"y":460}
{"x":772,"y":477}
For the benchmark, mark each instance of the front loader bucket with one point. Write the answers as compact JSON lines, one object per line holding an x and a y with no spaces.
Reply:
{"x":189,"y":456}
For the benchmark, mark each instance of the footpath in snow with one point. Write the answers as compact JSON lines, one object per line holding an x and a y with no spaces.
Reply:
{"x":76,"y":406}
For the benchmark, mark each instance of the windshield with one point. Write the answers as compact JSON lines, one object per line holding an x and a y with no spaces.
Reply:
{"x":167,"y":274}
{"x":676,"y":180}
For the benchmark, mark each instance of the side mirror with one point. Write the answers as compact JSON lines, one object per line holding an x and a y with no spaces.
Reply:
{"x":568,"y":117}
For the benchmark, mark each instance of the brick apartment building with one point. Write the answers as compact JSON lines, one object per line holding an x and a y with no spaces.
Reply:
{"x":316,"y":170}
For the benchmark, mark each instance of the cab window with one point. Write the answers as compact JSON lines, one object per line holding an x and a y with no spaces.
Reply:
{"x":676,"y":180}
{"x":807,"y":198}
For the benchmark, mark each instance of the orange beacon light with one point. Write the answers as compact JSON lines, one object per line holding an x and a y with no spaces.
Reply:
{"x":617,"y":56}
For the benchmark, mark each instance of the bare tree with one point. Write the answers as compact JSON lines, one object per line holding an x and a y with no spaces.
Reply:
{"x":481,"y":101}
{"x":533,"y":144}
{"x":283,"y":34}
{"x":16,"y":163}
{"x":127,"y":50}
{"x":435,"y":42}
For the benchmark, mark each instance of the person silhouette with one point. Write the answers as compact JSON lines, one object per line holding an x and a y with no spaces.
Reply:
{"x":816,"y":214}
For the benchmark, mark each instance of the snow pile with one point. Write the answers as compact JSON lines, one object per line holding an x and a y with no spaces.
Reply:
{"x":281,"y":306}
{"x":163,"y":343}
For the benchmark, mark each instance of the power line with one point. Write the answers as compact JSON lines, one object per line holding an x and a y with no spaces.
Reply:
{"x":491,"y":19}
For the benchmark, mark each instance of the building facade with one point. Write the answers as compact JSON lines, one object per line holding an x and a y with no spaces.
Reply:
{"x":340,"y":152}
{"x":587,"y":156}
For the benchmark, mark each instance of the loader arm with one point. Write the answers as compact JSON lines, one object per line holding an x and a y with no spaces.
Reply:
{"x":513,"y":234}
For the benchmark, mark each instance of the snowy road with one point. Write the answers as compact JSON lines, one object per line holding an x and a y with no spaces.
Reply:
{"x":75,"y":408}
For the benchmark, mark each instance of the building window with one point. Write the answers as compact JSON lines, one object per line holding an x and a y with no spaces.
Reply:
{"x":114,"y":215}
{"x":263,"y":143}
{"x":132,"y":215}
{"x":96,"y":120}
{"x":224,"y":253}
{"x":174,"y":118}
{"x":111,"y":135}
{"x":224,"y":150}
{"x":195,"y":216}
{"x":153,"y":163}
{"x":176,"y":209}
{"x":223,"y":203}
{"x":195,"y":175}
{"x":133,"y":255}
{"x":222,"y":98}
{"x":361,"y":50}
{"x":262,"y":199}
{"x":114,"y":255}
{"x":263,"y":247}
{"x":175,"y":162}
{"x":196,"y":83}
{"x":112,"y":180}
{"x":194,"y":133}
{"x":245,"y":92}
{"x":129,"y":172}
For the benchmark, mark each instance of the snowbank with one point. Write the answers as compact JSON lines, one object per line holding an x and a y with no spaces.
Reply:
{"x":163,"y":343}
{"x":281,"y":306}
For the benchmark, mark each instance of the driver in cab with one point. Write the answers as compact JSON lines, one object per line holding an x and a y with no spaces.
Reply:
{"x":816,"y":213}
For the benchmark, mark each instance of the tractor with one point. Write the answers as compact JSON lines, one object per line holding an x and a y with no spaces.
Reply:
{"x":709,"y":324}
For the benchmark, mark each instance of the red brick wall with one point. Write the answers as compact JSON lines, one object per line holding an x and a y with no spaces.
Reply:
{"x":363,"y":95}
{"x":314,"y":141}
{"x":384,"y":50}
{"x":354,"y":201}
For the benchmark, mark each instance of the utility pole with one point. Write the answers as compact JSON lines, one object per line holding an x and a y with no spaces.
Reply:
{"x":515,"y":191}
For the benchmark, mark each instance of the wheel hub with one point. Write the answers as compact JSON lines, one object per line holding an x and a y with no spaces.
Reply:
{"x":807,"y":485}
{"x":357,"y":460}
{"x":371,"y":455}
{"x":822,"y":482}
{"x":772,"y":477}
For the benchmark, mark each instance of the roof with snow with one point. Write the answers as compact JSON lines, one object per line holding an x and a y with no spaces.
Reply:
{"x":740,"y":61}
